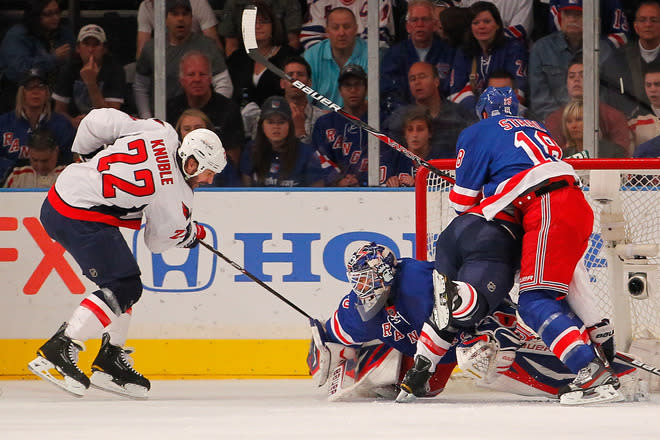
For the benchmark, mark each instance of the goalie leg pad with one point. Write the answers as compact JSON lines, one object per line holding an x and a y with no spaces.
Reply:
{"x":374,"y":372}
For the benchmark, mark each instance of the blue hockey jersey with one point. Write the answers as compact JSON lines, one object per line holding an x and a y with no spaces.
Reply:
{"x":398,"y":324}
{"x":501,"y":157}
{"x":345,"y":145}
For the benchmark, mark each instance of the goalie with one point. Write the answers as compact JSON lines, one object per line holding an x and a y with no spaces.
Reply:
{"x":370,"y":340}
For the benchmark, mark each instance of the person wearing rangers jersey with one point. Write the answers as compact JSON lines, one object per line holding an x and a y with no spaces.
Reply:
{"x":507,"y":163}
{"x":143,"y":173}
{"x":341,"y":144}
{"x":614,"y":23}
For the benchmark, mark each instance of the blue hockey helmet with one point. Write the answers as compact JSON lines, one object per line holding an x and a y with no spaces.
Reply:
{"x":370,"y":270}
{"x":496,"y":101}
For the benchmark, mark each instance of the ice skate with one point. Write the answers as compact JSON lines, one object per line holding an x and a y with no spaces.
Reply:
{"x":112,"y":370}
{"x":416,"y":381}
{"x":595,"y":383}
{"x":444,"y":292}
{"x":60,"y":353}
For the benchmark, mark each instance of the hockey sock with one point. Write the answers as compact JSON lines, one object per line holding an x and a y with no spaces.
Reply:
{"x":581,"y":298}
{"x":433,"y":344}
{"x":118,"y":329}
{"x":89,"y":319}
{"x":562,"y":331}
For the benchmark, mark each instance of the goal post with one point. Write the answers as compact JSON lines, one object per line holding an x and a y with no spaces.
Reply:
{"x":622,"y":257}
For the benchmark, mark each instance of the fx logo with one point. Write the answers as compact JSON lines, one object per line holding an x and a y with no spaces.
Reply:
{"x":52,"y":260}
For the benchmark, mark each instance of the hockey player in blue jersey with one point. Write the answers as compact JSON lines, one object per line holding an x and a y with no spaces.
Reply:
{"x":392,"y":299}
{"x":368,"y":342}
{"x":506,"y":163}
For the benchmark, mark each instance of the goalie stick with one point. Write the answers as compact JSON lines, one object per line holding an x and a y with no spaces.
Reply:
{"x":250,"y":41}
{"x":636,"y":363}
{"x":255,"y":279}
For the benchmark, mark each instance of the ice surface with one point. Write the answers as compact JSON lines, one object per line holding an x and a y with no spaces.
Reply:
{"x":294,"y":409}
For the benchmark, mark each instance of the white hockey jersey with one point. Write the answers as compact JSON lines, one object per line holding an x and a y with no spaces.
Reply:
{"x":136,"y":175}
{"x":313,"y":30}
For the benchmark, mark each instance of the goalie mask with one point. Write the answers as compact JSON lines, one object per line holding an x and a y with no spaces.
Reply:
{"x":496,"y":101}
{"x":205,"y":146}
{"x":370,"y":270}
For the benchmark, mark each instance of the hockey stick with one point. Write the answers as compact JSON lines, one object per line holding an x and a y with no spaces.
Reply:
{"x":255,"y":279}
{"x":250,"y":42}
{"x":636,"y":363}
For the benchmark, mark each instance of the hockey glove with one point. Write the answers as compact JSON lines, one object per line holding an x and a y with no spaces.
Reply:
{"x":488,"y":353}
{"x":602,"y":335}
{"x":195,"y":233}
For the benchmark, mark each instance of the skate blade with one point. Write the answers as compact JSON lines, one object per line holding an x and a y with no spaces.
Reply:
{"x":42,"y":366}
{"x":600,"y":394}
{"x":405,"y":397}
{"x":103,"y":381}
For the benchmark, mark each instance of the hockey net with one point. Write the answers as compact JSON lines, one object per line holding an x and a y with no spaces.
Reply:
{"x":636,"y":184}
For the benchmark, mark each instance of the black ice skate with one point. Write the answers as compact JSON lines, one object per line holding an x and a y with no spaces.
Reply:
{"x":595,"y":383}
{"x":61,"y":354}
{"x":112,"y":370}
{"x":416,"y":381}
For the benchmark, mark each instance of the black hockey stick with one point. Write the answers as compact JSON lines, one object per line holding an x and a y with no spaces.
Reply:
{"x":255,"y":279}
{"x":636,"y":363}
{"x":250,"y":42}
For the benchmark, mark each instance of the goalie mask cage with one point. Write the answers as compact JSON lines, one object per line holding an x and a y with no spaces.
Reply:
{"x":625,"y":197}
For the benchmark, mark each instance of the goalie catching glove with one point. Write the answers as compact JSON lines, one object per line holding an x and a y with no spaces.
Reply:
{"x":488,"y":353}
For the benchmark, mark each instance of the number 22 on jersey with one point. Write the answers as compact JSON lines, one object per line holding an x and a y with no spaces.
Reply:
{"x":112,"y":182}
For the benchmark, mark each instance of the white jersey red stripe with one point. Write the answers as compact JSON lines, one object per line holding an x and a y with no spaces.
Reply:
{"x":135,"y":176}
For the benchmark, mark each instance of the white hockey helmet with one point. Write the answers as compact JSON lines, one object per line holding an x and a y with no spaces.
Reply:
{"x":206,"y":147}
{"x":370,"y":270}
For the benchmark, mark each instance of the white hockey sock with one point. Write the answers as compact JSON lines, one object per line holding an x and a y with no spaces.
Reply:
{"x":581,"y":298}
{"x":83,"y":325}
{"x":89,"y":319}
{"x":431,"y":345}
{"x":118,"y":329}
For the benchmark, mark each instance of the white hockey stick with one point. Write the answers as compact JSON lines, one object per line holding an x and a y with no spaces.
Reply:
{"x":250,"y":42}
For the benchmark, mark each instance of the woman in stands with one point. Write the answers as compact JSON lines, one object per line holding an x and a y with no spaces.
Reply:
{"x":277,"y":157}
{"x":571,"y":128}
{"x":252,"y":81}
{"x":486,"y":50}
{"x":192,"y":119}
{"x":38,"y":41}
{"x":32,"y":111}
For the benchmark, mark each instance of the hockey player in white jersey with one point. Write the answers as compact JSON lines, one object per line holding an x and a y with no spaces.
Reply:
{"x":144,"y":173}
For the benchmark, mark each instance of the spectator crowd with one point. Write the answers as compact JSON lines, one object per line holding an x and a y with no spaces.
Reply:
{"x":436,"y":57}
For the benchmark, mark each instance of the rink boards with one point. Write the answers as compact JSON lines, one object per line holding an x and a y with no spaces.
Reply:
{"x":198,"y":315}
